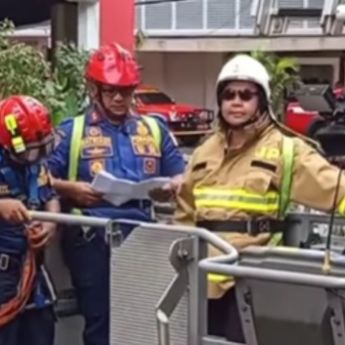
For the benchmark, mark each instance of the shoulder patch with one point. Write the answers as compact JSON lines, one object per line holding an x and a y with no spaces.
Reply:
{"x":199,"y":166}
{"x":264,"y":165}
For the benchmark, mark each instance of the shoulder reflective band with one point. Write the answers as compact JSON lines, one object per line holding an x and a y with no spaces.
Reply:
{"x":75,"y":145}
{"x":288,"y":162}
{"x":155,"y":130}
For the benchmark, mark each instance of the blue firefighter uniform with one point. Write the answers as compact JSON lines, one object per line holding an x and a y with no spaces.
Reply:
{"x":35,"y":325}
{"x":129,"y":151}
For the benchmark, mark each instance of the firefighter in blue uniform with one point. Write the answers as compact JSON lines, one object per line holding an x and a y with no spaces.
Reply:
{"x":108,"y":137}
{"x":26,"y":294}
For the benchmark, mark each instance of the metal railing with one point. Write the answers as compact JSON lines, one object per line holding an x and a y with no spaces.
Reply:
{"x":173,"y":294}
{"x":61,"y":218}
{"x":66,"y":304}
{"x":224,"y":265}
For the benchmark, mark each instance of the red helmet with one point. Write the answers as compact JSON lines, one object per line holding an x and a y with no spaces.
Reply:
{"x":26,"y":130}
{"x":113,"y":65}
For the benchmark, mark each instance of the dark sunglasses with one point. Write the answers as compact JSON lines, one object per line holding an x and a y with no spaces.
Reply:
{"x":244,"y":95}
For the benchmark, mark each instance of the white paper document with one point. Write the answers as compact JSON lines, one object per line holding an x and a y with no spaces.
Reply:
{"x":118,"y":191}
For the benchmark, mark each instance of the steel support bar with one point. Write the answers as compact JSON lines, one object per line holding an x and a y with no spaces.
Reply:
{"x":222,"y":265}
{"x":167,"y":305}
{"x":62,"y":218}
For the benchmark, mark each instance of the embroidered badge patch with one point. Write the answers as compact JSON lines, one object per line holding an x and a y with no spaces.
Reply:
{"x":150,"y":166}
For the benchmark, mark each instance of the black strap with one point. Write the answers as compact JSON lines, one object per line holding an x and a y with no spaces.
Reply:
{"x":251,"y":227}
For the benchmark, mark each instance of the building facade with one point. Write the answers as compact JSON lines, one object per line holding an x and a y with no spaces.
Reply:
{"x":186,"y":42}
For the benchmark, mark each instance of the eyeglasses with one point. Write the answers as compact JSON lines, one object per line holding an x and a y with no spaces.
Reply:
{"x":244,"y":95}
{"x":113,"y":91}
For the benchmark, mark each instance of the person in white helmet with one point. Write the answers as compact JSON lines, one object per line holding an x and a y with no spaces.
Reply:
{"x":240,"y":181}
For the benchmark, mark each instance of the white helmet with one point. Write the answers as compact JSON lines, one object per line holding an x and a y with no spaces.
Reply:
{"x":244,"y":67}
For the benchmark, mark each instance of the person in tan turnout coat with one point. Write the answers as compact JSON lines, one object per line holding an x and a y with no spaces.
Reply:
{"x":240,"y":181}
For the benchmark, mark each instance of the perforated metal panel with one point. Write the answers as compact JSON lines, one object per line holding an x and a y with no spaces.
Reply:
{"x":141,"y":272}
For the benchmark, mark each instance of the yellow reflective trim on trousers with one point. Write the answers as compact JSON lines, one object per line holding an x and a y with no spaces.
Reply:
{"x":217,"y":278}
{"x":275,"y":240}
{"x":341,"y":208}
{"x":239,"y":199}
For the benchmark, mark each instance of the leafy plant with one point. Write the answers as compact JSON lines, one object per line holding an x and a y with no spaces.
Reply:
{"x":284,"y":77}
{"x":25,"y":70}
{"x":68,"y":80}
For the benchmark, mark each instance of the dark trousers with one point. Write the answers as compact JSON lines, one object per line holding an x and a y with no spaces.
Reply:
{"x":33,"y":327}
{"x":88,"y":262}
{"x":224,"y":319}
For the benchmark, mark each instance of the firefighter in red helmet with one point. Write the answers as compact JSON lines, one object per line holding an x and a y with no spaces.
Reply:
{"x":113,"y":138}
{"x":26,"y":297}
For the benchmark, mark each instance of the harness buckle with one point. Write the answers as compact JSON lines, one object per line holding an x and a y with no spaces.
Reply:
{"x":88,"y":233}
{"x":264,"y":226}
{"x":258,"y":226}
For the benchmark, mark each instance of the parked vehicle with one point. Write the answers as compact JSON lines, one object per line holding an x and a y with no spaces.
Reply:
{"x":306,"y":122}
{"x":189,"y":123}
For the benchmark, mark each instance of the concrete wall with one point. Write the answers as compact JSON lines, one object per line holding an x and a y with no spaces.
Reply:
{"x":191,"y":77}
{"x":188,"y":78}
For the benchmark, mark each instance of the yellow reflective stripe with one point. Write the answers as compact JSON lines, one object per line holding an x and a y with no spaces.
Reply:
{"x":238,"y":205}
{"x":229,"y":192}
{"x":285,"y":188}
{"x":341,"y":208}
{"x":155,"y":130}
{"x":276,"y":239}
{"x":240,"y":199}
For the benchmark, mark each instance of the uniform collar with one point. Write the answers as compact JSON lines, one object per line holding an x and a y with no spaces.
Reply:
{"x":92,"y":117}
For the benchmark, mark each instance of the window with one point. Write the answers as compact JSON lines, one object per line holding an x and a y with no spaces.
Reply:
{"x":317,"y":74}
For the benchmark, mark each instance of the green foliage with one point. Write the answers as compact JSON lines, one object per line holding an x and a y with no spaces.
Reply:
{"x":68,"y":80}
{"x":25,"y":70}
{"x":284,"y":77}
